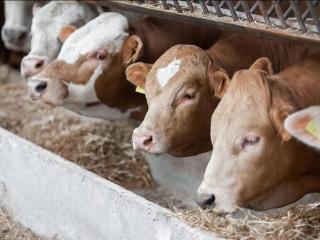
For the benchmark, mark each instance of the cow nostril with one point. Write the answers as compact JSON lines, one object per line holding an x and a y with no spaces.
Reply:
{"x":39,"y":64}
{"x":22,"y":36}
{"x":41,"y":87}
{"x":209,"y":202}
{"x":205,"y":201}
{"x":147,"y":141}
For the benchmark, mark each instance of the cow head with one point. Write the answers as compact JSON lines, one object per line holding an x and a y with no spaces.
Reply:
{"x":48,"y":23}
{"x":90,"y":68}
{"x":253,"y":163}
{"x":305,"y":126}
{"x":180,"y":101}
{"x":15,"y":31}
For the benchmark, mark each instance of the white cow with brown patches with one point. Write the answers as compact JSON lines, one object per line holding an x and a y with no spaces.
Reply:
{"x":255,"y":162}
{"x":88,"y":76}
{"x":49,"y":25}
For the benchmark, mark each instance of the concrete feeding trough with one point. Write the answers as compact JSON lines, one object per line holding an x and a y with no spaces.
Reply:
{"x":59,"y":200}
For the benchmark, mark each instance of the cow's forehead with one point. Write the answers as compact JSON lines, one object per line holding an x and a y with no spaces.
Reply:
{"x":109,"y":31}
{"x":179,"y":64}
{"x":245,"y":99}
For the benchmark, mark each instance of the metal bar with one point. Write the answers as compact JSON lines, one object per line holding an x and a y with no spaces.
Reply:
{"x":314,"y":15}
{"x":233,"y":12}
{"x":277,"y":34}
{"x":222,"y":3}
{"x":270,"y":10}
{"x":236,"y":7}
{"x":297,"y":13}
{"x":254,"y":7}
{"x":177,"y":6}
{"x":217,"y":8}
{"x":279,"y":13}
{"x":246,"y":10}
{"x":204,"y":7}
{"x":264,"y":12}
{"x":165,"y":5}
{"x":307,"y":12}
{"x":287,"y":12}
{"x":190,"y":6}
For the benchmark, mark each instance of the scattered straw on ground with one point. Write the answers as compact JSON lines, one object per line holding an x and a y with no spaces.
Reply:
{"x":100,"y":146}
{"x":9,"y":230}
{"x":300,"y":222}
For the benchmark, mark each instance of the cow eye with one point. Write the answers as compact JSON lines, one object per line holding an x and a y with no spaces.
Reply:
{"x":100,"y":56}
{"x":249,"y":140}
{"x":189,"y":95}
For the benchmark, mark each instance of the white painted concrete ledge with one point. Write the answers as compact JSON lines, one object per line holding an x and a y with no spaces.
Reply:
{"x":59,"y":200}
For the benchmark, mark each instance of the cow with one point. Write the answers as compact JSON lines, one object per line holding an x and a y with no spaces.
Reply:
{"x":15,"y":31}
{"x":305,"y":126}
{"x":255,"y":163}
{"x":52,"y":20}
{"x":88,"y":76}
{"x":179,"y":86}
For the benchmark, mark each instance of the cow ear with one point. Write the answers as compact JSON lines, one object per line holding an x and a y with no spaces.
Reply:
{"x":279,"y":111}
{"x":136,"y":73}
{"x":304,"y":126}
{"x":262,"y":64}
{"x":219,"y":82}
{"x":66,"y":31}
{"x":132,"y":50}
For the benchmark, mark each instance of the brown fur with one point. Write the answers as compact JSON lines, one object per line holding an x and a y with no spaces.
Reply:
{"x":210,"y":69}
{"x":277,"y":170}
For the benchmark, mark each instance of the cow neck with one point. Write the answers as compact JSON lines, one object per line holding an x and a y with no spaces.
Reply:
{"x":123,"y":97}
{"x":159,"y":35}
{"x":299,"y":83}
{"x":294,"y":87}
{"x":245,"y":50}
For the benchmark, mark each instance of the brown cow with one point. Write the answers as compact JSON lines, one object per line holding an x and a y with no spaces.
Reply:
{"x":88,"y":76}
{"x":179,"y":89}
{"x":255,"y":163}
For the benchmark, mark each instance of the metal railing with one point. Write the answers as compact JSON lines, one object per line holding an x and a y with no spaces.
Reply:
{"x":294,"y":14}
{"x":291,"y":20}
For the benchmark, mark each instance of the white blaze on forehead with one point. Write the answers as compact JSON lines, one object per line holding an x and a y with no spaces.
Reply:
{"x":165,"y":74}
{"x":107,"y":31}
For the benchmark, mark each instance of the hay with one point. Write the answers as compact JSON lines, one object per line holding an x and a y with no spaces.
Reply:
{"x":299,"y":222}
{"x":9,"y":230}
{"x":99,"y":146}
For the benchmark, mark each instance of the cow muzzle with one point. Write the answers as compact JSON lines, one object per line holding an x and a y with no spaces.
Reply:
{"x":15,"y":39}
{"x":147,"y":140}
{"x":52,"y":92}
{"x":36,"y":88}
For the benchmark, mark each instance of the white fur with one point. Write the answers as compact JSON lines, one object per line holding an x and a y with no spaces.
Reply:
{"x":164,"y":75}
{"x":101,"y":111}
{"x":81,"y":94}
{"x":109,"y":31}
{"x":84,"y":93}
{"x":50,"y":19}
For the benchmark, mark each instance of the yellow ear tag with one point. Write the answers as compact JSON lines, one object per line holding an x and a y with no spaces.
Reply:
{"x":313,"y":128}
{"x":140,"y":90}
